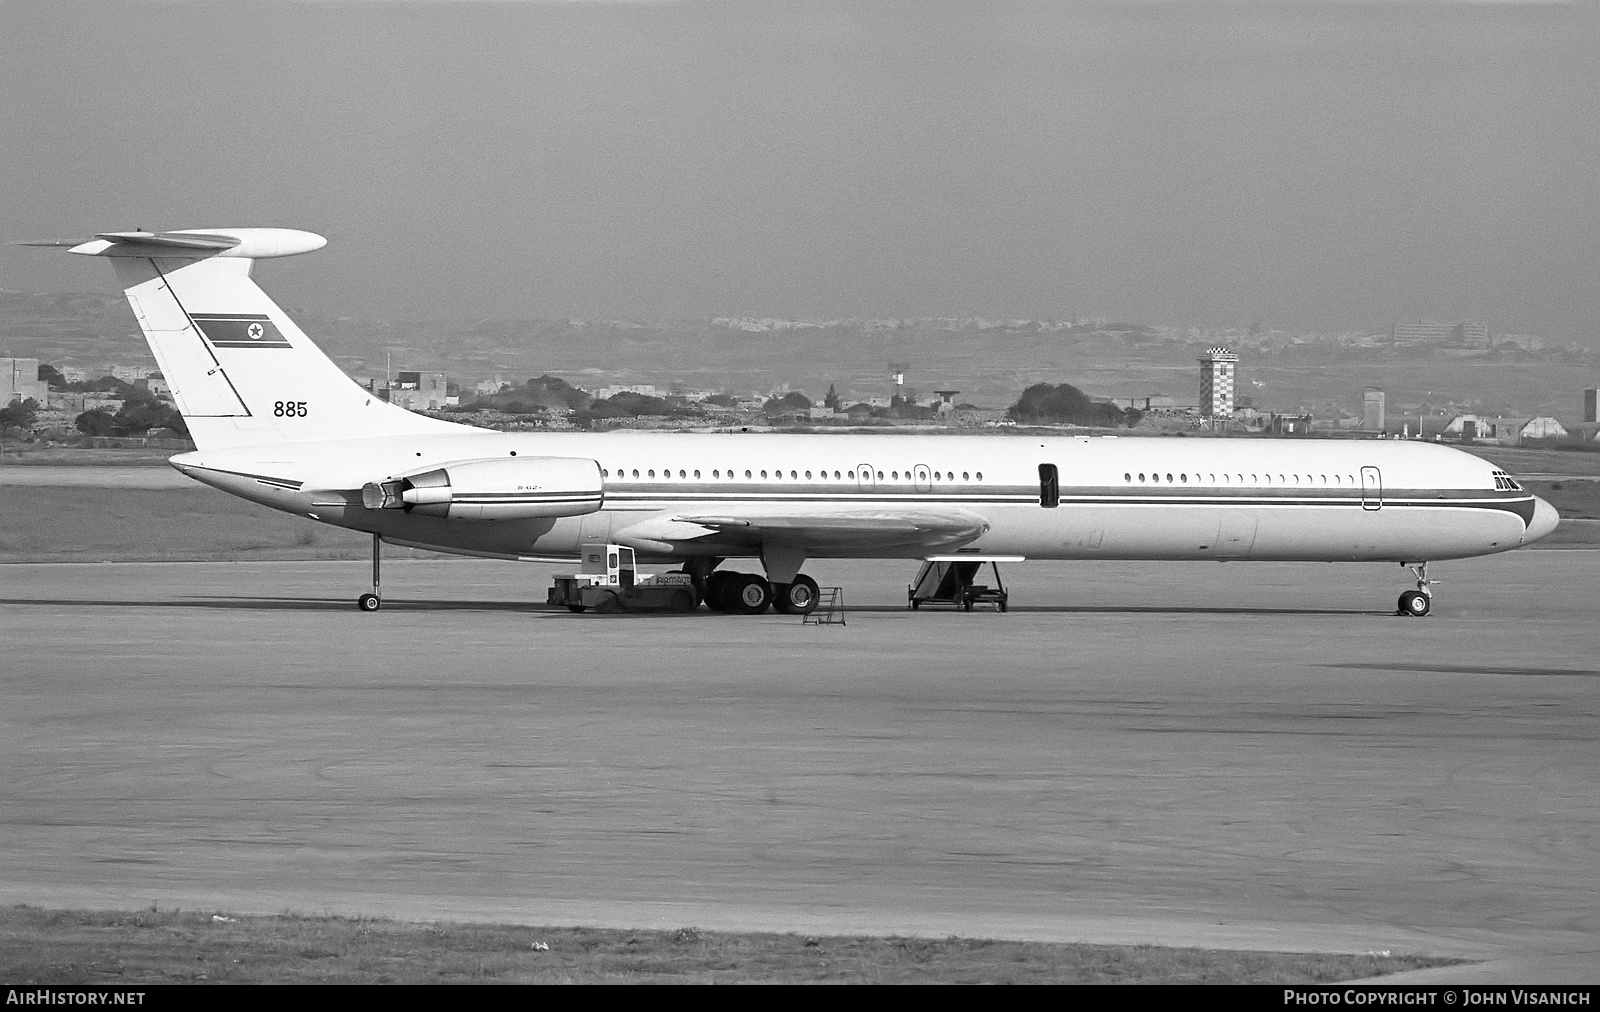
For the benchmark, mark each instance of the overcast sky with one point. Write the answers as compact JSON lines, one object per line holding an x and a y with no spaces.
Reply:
{"x":1314,"y":165}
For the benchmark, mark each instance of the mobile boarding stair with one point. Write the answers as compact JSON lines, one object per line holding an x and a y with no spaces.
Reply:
{"x":949,"y":579}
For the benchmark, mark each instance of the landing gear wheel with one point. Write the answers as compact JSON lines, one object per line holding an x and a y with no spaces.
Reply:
{"x":577,"y":609}
{"x":797,"y":598}
{"x":966,"y":604}
{"x":1415,"y":603}
{"x":749,"y":594}
{"x":368,"y":602}
{"x":607,"y":604}
{"x":681,"y":602}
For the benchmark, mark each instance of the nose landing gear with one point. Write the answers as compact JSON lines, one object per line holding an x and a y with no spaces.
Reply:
{"x":1417,"y":603}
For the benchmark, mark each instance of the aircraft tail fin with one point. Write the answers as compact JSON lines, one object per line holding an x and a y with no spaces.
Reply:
{"x":241,"y":371}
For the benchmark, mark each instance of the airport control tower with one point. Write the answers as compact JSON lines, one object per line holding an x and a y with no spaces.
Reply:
{"x":1216,"y":383}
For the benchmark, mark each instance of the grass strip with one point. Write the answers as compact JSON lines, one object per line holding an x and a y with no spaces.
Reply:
{"x":59,"y":947}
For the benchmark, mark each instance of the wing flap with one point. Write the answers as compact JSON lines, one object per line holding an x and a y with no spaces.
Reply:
{"x":811,"y":531}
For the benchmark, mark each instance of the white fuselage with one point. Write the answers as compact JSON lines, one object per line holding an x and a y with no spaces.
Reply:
{"x":1119,"y":498}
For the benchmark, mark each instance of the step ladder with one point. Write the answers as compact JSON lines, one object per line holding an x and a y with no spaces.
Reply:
{"x":829,"y":610}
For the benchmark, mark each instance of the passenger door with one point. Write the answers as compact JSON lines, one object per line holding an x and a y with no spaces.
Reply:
{"x":1049,"y":486}
{"x":1371,"y":489}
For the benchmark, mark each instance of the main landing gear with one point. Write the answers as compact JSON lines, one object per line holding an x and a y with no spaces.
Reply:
{"x":1417,"y":603}
{"x":749,"y":594}
{"x":372,"y":602}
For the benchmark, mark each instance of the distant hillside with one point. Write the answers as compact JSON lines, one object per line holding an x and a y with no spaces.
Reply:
{"x":989,"y":361}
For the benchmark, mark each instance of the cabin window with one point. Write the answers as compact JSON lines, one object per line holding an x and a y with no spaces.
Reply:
{"x":965,"y":476}
{"x":1141,"y":476}
{"x":747,"y":473}
{"x":1049,"y":486}
{"x":836,"y":474}
{"x":980,"y":475}
{"x":894,"y":475}
{"x":604,"y":473}
{"x":1128,"y":477}
{"x":880,"y":474}
{"x":697,"y":474}
{"x":636,"y":472}
{"x":763,"y":474}
{"x":1184,"y":477}
{"x":852,"y":475}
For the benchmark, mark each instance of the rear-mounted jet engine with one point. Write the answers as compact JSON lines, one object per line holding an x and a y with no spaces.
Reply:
{"x":502,"y":488}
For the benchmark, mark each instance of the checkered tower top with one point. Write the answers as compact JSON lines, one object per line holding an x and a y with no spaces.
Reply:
{"x":1216,"y":382}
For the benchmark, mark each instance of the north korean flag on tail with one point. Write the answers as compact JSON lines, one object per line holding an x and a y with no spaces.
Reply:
{"x":239,"y":330}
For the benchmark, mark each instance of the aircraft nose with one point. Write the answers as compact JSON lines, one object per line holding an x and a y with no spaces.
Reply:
{"x":1545,"y":519}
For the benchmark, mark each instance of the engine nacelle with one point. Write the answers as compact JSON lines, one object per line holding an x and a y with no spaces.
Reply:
{"x":500,"y":488}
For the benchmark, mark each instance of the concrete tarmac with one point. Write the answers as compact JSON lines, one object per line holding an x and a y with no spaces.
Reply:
{"x":65,"y":476}
{"x":1245,"y":755}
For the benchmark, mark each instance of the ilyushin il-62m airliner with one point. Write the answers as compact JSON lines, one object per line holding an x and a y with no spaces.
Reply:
{"x":276,"y":422}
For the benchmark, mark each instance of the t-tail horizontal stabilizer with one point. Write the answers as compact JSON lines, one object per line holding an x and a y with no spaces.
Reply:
{"x":240,"y":370}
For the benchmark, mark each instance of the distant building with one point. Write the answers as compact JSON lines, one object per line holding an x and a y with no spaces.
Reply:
{"x":130,"y":373}
{"x":1217,"y":367}
{"x":1465,"y":334}
{"x":419,"y":391}
{"x":1505,"y":431}
{"x":19,"y":380}
{"x":75,"y":403}
{"x":947,"y":403}
{"x":1372,"y":411}
{"x":1543,"y":427}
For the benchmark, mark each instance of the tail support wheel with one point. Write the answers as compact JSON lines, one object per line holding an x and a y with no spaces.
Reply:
{"x":371,"y":602}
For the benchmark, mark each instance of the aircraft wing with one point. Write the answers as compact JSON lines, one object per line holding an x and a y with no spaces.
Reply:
{"x":812,"y":531}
